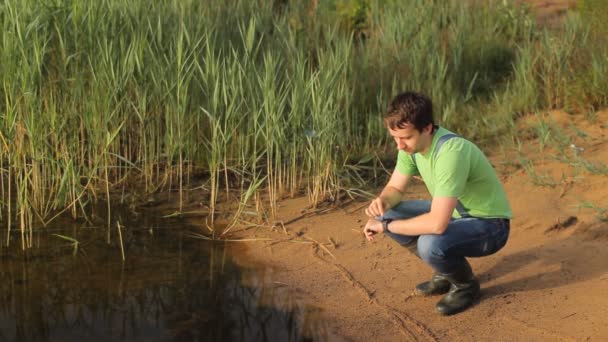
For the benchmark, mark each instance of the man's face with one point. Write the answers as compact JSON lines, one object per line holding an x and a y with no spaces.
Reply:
{"x":410,"y":140}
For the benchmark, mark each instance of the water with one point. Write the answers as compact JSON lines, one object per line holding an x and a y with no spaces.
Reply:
{"x":171,"y":287}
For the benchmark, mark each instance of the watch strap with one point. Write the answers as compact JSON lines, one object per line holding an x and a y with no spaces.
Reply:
{"x":385,"y":225}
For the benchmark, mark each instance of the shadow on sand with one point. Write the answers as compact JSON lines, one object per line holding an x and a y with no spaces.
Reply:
{"x":579,"y":257}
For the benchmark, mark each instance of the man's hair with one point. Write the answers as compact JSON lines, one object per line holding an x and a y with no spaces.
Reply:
{"x":409,"y":108}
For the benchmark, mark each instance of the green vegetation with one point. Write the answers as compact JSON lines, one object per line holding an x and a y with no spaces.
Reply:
{"x":73,"y":242}
{"x":263,"y":98}
{"x":601,"y":213}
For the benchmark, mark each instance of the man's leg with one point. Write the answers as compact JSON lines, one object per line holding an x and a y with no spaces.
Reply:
{"x":405,"y":210}
{"x":445,"y":253}
{"x":408,"y":209}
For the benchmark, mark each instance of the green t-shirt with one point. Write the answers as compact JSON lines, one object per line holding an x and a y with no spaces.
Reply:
{"x":459,"y":170}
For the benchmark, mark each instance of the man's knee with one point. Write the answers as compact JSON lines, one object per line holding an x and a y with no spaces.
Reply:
{"x":393,"y":214}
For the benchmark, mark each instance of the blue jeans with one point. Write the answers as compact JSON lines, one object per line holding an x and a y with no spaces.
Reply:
{"x":464,"y":237}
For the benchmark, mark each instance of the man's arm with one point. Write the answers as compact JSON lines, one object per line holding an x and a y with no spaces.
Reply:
{"x":390,"y":196}
{"x":434,"y":222}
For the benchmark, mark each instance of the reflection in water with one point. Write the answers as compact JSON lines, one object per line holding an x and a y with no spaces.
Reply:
{"x":170,"y":288}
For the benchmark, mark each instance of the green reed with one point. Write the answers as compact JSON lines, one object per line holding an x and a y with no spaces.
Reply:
{"x":267,"y":100}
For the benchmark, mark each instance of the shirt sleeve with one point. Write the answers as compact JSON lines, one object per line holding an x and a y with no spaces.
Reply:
{"x":451,"y":173}
{"x":406,"y":165}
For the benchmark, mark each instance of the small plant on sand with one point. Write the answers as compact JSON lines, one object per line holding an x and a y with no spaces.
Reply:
{"x":593,"y":167}
{"x":543,"y":132}
{"x":601,"y":212}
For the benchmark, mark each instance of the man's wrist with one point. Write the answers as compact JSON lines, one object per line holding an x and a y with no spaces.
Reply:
{"x":385,"y":225}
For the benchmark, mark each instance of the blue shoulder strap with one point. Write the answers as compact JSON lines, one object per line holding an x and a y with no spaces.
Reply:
{"x":442,"y":139}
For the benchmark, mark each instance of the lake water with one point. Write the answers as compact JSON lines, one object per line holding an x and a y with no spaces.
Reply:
{"x":171,"y":287}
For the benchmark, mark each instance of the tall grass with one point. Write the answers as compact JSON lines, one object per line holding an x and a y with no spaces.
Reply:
{"x":265,"y":98}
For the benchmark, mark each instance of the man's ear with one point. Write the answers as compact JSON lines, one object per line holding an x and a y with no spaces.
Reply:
{"x":428,"y":128}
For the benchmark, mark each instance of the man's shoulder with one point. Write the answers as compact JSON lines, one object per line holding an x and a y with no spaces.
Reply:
{"x":452,"y":141}
{"x":457,"y":144}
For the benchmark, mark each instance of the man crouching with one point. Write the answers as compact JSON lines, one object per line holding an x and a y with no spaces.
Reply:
{"x":468,"y":216}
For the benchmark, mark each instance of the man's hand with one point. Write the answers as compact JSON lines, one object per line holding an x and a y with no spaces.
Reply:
{"x":377,"y":207}
{"x":372,"y":227}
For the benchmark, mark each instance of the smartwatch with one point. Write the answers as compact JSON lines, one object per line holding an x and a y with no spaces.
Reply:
{"x":385,"y":225}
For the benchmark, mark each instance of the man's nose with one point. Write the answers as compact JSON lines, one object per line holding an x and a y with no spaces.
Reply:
{"x":400,"y":144}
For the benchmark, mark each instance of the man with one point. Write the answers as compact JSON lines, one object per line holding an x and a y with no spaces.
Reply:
{"x":469,"y":215}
